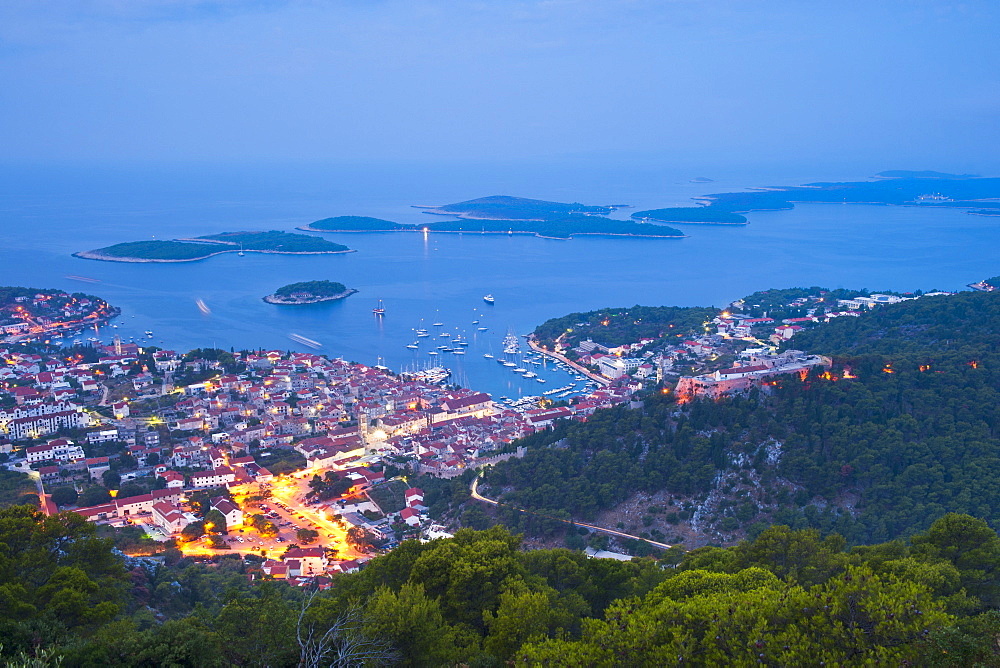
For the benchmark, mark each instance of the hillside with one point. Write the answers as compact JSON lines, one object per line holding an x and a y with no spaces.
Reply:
{"x":904,"y":428}
{"x":788,"y":598}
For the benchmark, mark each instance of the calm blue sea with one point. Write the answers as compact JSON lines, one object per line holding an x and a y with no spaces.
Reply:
{"x":46,"y":213}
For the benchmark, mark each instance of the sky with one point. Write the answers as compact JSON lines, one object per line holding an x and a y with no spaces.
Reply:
{"x":912,"y":84}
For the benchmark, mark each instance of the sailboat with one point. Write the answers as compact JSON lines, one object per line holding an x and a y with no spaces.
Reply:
{"x":379,"y":308}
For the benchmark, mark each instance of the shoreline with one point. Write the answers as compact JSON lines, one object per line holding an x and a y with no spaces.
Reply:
{"x":96,"y":255}
{"x":279,"y":301}
{"x":306,"y":228}
{"x":696,"y":222}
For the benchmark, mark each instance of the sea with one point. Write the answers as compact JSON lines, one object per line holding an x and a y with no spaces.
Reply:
{"x":49,"y":212}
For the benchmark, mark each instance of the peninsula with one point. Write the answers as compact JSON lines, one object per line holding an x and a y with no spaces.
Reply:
{"x":309,"y":292}
{"x":200,"y":248}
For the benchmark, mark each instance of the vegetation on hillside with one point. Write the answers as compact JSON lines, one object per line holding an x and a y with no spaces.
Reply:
{"x":787,"y":598}
{"x":615,"y":326}
{"x":904,"y":428}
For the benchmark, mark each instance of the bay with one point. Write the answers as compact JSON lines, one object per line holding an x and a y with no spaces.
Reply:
{"x":47,"y":213}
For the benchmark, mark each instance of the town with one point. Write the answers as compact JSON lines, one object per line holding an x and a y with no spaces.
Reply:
{"x":302,"y":462}
{"x":293,"y":458}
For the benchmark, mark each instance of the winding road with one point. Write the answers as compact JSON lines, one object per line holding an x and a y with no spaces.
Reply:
{"x":474,"y":490}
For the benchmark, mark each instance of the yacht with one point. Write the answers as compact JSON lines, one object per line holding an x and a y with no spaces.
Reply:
{"x":489,"y":299}
{"x":458,"y":351}
{"x":488,"y":356}
{"x":531,"y":374}
{"x":482,"y":329}
{"x":519,"y":369}
{"x":413,"y":346}
{"x":540,"y":380}
{"x":379,"y":308}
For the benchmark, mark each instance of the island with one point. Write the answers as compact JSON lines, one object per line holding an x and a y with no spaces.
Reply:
{"x":200,"y":248}
{"x":309,"y":292}
{"x":505,"y":207}
{"x":356,"y":224}
{"x":895,"y":187}
{"x":553,"y":227}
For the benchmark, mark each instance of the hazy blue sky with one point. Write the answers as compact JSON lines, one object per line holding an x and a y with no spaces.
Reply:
{"x":909,"y":83}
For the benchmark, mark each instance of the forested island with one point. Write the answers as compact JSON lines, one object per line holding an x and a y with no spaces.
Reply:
{"x":552,"y":228}
{"x":505,"y":207}
{"x":309,"y":292}
{"x":199,"y":248}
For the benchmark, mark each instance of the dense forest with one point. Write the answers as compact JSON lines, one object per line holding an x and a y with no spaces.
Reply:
{"x":616,"y":326}
{"x":790,"y":597}
{"x":903,"y":429}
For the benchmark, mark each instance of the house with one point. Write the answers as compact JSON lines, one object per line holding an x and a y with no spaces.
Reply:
{"x":174,"y":479}
{"x":311,"y":560}
{"x":410,"y":516}
{"x":219,"y":477}
{"x":276,"y":569}
{"x":59,"y":450}
{"x":96,"y":466}
{"x":170,"y":518}
{"x":229,"y":510}
{"x":414,"y":496}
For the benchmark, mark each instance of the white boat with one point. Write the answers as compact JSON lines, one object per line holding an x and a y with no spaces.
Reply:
{"x":422,"y":333}
{"x":458,"y":351}
{"x":482,"y":329}
{"x":489,"y":299}
{"x":531,"y":374}
{"x":488,"y":356}
{"x":438,"y":324}
{"x":510,"y":364}
{"x":433,"y":352}
{"x":519,"y":370}
{"x":540,"y":380}
{"x":413,"y":346}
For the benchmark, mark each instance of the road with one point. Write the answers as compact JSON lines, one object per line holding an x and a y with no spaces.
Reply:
{"x":474,"y":489}
{"x":576,"y":367}
{"x":287,"y":502}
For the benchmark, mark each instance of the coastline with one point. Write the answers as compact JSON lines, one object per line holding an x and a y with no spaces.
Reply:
{"x":278,"y":301}
{"x":697,"y":222}
{"x":509,"y":232}
{"x":96,"y":255}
